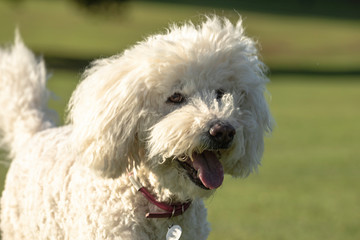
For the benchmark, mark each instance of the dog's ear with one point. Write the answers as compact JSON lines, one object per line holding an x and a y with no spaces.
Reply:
{"x":255,"y":122}
{"x":104,"y":112}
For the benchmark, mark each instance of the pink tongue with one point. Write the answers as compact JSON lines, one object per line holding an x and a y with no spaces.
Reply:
{"x":210,"y":170}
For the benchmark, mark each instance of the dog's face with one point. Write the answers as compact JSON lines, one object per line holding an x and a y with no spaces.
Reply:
{"x":188,"y":105}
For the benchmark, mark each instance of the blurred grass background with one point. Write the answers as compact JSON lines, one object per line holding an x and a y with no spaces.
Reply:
{"x":309,"y":184}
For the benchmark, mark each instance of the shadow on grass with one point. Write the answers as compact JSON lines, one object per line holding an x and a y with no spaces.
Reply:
{"x":311,"y":72}
{"x":347,"y":9}
{"x":79,"y":65}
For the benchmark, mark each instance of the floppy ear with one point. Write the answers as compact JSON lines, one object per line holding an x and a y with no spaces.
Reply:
{"x":254,"y":119}
{"x":257,"y":122}
{"x":254,"y":122}
{"x":104,"y":112}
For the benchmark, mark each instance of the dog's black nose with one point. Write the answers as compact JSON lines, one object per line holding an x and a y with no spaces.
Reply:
{"x":222,"y":133}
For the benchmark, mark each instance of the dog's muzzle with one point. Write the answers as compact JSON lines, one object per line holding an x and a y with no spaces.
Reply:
{"x":205,"y":168}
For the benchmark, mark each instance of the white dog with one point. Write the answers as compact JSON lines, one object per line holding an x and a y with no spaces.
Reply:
{"x":151,"y":132}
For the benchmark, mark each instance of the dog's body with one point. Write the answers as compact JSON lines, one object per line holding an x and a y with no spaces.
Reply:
{"x":176,"y":112}
{"x":60,"y":199}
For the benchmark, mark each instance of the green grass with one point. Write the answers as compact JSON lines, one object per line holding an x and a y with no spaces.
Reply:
{"x":62,"y":84}
{"x":308,"y":186}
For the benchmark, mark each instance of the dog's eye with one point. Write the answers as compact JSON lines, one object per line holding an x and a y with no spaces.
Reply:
{"x":219,"y":93}
{"x":176,"y":98}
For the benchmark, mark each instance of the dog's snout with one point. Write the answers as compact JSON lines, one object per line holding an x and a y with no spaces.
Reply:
{"x":222,"y":133}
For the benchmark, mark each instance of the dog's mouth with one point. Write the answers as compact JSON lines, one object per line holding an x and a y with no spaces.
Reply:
{"x":204,"y":169}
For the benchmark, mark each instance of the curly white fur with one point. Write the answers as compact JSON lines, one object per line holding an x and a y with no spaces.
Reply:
{"x":71,"y":182}
{"x":22,"y":77}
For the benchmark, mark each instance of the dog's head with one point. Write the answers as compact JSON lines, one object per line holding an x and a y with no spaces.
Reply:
{"x":188,"y":105}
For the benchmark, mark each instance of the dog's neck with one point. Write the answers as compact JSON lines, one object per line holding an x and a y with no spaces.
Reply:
{"x":151,"y":182}
{"x":168,"y":210}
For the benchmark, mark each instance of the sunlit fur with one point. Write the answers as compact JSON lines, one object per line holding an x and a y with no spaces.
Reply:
{"x":71,"y":182}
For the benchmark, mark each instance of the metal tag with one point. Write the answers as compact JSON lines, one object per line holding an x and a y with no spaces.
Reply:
{"x":174,"y":232}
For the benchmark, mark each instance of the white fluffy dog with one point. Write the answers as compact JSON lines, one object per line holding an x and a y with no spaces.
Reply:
{"x":151,"y":132}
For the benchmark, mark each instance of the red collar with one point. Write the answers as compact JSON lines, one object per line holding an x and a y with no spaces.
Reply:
{"x":170,"y":210}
